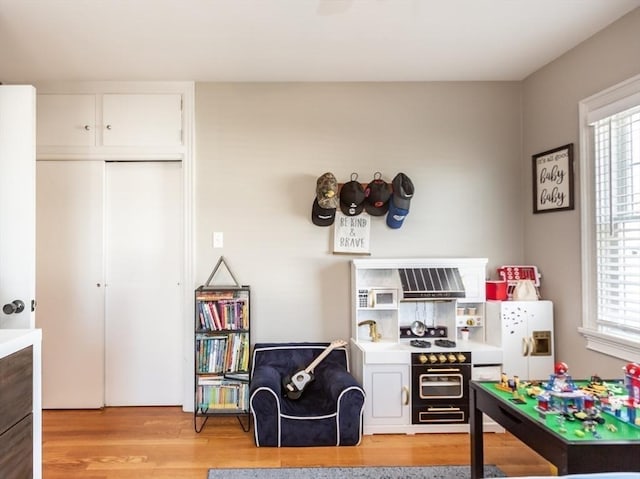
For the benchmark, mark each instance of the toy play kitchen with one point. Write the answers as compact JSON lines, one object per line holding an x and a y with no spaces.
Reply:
{"x":418,"y":337}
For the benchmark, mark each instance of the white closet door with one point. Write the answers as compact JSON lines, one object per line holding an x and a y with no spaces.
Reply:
{"x":143,"y":293}
{"x":69,"y":277}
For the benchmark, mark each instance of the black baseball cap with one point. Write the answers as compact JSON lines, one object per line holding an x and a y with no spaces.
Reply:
{"x":402,"y":191}
{"x":322,"y":216}
{"x":352,"y":197}
{"x":377,"y":194}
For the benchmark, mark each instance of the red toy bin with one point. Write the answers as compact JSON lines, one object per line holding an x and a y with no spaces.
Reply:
{"x":496,"y":290}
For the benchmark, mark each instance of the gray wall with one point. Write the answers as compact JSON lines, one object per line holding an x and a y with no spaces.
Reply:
{"x":550,"y":119}
{"x":261,"y":146}
{"x":467,"y":148}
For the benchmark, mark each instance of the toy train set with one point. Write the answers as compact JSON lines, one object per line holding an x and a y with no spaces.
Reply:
{"x":587,"y":402}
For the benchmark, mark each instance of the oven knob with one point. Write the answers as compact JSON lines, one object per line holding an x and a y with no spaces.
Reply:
{"x":442,"y":358}
{"x":452,"y":358}
{"x":461,"y":358}
{"x":432,"y":358}
{"x":422,"y":358}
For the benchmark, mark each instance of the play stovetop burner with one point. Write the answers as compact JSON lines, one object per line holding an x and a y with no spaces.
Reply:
{"x":420,"y":343}
{"x":445,"y":343}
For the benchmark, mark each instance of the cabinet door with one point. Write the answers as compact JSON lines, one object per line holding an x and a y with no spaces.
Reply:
{"x":16,"y":450}
{"x":142,"y":119}
{"x":387,"y":395}
{"x":69,"y":282}
{"x":66,"y":120}
{"x":143,"y":325}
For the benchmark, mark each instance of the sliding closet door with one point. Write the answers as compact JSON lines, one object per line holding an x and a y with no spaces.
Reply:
{"x":69,"y":282}
{"x":144,"y":276}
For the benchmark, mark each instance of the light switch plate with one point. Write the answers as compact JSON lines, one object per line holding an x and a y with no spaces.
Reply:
{"x":218,"y":239}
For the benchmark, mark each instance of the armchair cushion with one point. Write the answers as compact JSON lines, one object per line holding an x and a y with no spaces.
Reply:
{"x":329,"y":411}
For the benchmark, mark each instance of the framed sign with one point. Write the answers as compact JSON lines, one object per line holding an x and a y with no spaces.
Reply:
{"x":553,"y":180}
{"x":351,"y":234}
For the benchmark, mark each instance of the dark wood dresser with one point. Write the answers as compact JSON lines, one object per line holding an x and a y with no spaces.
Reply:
{"x":20,"y":405}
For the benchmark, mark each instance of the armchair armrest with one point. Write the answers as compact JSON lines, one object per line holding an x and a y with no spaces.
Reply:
{"x":348,"y":396}
{"x":335,"y":381}
{"x":266,"y":377}
{"x":264,"y":402}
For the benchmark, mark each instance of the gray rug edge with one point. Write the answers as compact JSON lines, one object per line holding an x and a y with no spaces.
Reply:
{"x":354,"y":472}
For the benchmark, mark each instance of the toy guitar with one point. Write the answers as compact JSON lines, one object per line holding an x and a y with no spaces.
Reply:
{"x":295,"y":383}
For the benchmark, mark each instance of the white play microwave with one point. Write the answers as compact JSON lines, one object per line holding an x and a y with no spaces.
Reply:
{"x":378,"y":298}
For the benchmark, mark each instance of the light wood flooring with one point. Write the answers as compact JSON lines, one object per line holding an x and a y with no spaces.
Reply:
{"x":160,"y":442}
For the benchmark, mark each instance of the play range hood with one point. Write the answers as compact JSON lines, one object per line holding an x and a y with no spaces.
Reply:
{"x":419,"y":284}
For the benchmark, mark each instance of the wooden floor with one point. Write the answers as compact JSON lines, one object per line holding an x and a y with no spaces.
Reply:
{"x":160,"y":442}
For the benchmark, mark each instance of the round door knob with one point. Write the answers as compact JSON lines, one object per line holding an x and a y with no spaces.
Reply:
{"x":433,"y":358}
{"x":16,"y":306}
{"x":452,"y":358}
{"x":442,"y":358}
{"x":108,"y":127}
{"x":87,"y":127}
{"x":422,"y":358}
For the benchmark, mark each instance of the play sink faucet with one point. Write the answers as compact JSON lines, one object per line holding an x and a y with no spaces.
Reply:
{"x":373,"y":329}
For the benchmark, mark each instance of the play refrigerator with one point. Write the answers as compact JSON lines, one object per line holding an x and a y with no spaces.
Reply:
{"x":524,"y":331}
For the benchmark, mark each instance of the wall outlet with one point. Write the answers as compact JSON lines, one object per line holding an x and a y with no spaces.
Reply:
{"x":218,"y":239}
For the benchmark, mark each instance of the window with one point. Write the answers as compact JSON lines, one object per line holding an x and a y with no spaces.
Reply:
{"x":610,"y":178}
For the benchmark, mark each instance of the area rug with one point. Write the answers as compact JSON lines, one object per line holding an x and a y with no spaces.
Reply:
{"x":413,"y":472}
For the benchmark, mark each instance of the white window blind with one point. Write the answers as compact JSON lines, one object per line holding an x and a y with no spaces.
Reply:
{"x":616,"y":218}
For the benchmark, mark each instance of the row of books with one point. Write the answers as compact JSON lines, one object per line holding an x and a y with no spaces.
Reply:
{"x":220,"y":354}
{"x":222,"y":394}
{"x":224,"y":314}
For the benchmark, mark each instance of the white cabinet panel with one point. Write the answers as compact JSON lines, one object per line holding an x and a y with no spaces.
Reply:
{"x":69,"y":282}
{"x":142,"y":119}
{"x":66,"y":120}
{"x":387,"y":395}
{"x":108,"y":124}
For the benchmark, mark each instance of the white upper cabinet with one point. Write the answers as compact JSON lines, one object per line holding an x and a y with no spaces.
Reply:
{"x":142,"y":120}
{"x":66,"y":120}
{"x":104,"y":124}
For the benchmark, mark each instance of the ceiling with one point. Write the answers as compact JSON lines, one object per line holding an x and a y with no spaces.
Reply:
{"x":292,"y":40}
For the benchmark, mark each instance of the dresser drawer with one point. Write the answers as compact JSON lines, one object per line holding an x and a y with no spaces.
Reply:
{"x":16,"y":450}
{"x":16,"y":387}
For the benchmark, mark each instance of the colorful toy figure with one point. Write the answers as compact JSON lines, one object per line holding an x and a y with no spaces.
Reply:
{"x":560,"y":381}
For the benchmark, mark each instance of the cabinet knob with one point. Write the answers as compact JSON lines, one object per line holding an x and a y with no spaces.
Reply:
{"x":108,"y":127}
{"x":15,"y":306}
{"x":87,"y":127}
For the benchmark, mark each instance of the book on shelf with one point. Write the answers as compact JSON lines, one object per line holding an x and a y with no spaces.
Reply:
{"x":214,"y":295}
{"x":224,"y":314}
{"x":222,"y":394}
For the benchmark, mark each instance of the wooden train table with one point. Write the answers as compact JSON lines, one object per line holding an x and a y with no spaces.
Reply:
{"x":610,"y":445}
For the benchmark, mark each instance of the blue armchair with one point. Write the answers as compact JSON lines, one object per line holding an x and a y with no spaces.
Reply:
{"x":329,"y":411}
